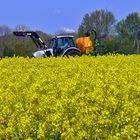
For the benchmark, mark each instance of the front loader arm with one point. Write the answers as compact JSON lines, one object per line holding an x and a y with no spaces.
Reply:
{"x":34,"y":36}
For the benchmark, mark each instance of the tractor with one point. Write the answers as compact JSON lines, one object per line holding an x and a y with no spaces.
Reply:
{"x":62,"y":45}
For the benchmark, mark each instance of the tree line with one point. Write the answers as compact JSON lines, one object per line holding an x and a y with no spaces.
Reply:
{"x":116,"y":36}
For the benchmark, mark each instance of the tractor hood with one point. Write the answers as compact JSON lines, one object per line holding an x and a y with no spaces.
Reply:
{"x":43,"y":53}
{"x":40,"y":53}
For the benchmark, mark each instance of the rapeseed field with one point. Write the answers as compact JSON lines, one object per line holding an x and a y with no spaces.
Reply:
{"x":81,"y":98}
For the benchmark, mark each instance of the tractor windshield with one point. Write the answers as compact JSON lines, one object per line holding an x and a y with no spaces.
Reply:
{"x":64,"y":42}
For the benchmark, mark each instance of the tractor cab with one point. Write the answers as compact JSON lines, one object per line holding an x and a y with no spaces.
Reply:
{"x":60,"y":44}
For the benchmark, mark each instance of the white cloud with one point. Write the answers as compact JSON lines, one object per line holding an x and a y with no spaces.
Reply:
{"x":57,"y":11}
{"x":68,"y":30}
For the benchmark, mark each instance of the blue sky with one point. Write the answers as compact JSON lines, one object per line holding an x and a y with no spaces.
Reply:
{"x":53,"y":15}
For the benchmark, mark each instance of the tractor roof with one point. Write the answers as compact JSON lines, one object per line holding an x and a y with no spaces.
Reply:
{"x":61,"y":36}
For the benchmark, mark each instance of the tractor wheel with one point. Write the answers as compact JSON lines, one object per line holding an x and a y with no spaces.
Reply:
{"x":73,"y":53}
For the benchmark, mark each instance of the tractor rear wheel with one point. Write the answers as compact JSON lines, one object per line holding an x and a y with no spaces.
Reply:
{"x":73,"y":53}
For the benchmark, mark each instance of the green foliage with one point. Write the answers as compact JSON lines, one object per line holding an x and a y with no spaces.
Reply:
{"x":128,"y":27}
{"x":126,"y":44}
{"x":128,"y":32}
{"x":110,"y":45}
{"x":8,"y":52}
{"x":77,"y":98}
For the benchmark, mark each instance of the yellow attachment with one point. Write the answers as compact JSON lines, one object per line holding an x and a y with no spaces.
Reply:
{"x":84,"y":44}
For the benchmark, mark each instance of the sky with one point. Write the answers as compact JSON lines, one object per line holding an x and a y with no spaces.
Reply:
{"x":51,"y":16}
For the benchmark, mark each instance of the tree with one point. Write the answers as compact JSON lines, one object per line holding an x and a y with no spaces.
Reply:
{"x":22,"y":28}
{"x":130,"y":28}
{"x":85,"y":25}
{"x":100,"y":20}
{"x":5,"y":30}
